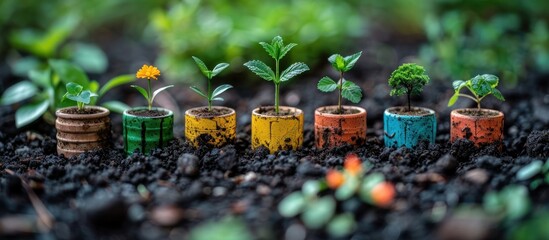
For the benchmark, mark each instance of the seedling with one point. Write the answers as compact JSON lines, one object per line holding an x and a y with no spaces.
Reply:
{"x":209,"y":95}
{"x":148,"y":72}
{"x":480,"y":86}
{"x":277,"y":50}
{"x":346,"y":89}
{"x":75,"y":93}
{"x":409,"y":79}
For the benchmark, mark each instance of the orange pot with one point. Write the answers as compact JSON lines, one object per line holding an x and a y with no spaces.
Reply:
{"x":484,"y":129}
{"x":333,"y":130}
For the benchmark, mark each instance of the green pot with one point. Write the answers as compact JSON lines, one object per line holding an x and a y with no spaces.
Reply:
{"x":146,"y":132}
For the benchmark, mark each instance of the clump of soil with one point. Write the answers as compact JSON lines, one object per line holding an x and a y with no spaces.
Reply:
{"x":83,"y":111}
{"x":148,"y":113}
{"x":478,"y":113}
{"x":206,"y":113}
{"x":414,"y":111}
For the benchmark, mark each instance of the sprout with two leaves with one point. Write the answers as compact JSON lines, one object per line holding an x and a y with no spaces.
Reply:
{"x":77,"y":93}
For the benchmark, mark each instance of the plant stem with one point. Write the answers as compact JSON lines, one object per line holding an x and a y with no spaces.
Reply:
{"x":477,"y":100}
{"x":209,"y":95}
{"x":149,"y":98}
{"x":277,"y":84}
{"x":409,"y":106}
{"x":340,"y":86}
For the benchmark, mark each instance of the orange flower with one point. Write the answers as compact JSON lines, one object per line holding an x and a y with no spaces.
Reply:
{"x":148,"y":72}
{"x":334,"y":179}
{"x":352,"y":164}
{"x":383,"y":194}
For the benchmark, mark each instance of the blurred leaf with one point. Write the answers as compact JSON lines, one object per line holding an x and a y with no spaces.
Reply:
{"x":22,"y":66}
{"x":532,"y":229}
{"x":115,"y":106}
{"x":512,"y":201}
{"x":30,"y":112}
{"x":529,"y":170}
{"x":292,"y":205}
{"x":115,"y":82}
{"x":318,"y":212}
{"x":348,"y":189}
{"x":41,"y":77}
{"x":88,"y":56}
{"x":229,"y":228}
{"x":18,"y":92}
{"x":69,"y":72}
{"x":342,"y":225}
{"x":311,"y":188}
{"x":368,"y":183}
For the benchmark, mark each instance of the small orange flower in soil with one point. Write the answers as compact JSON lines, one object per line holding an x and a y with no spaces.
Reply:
{"x":352,"y":164}
{"x":148,"y":72}
{"x":334,"y":179}
{"x":383,"y":194}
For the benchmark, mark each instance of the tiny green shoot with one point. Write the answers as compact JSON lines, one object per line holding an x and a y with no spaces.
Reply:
{"x":277,"y":50}
{"x":346,"y":89}
{"x":409,"y":79}
{"x":209,"y":95}
{"x":480,"y":86}
{"x":77,"y":93}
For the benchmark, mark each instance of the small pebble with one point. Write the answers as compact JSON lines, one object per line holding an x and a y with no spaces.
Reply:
{"x":477,"y":176}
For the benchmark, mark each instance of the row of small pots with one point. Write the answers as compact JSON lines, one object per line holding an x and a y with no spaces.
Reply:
{"x":77,"y":133}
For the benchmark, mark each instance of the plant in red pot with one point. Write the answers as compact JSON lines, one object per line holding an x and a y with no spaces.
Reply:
{"x":81,"y":128}
{"x":339,"y":124}
{"x":480,"y":125}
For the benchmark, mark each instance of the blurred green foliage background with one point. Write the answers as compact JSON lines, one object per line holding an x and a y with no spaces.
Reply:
{"x":454,"y":39}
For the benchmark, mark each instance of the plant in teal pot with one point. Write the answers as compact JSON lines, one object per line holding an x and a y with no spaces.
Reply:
{"x":408,"y":125}
{"x":146,"y":128}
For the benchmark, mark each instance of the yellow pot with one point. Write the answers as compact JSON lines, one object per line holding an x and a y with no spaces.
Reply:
{"x":284,"y":132}
{"x":202,"y":128}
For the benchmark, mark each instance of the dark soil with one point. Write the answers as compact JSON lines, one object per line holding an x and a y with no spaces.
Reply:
{"x":478,"y":113}
{"x":414,"y":111}
{"x":148,"y":113}
{"x":86,"y":111}
{"x":336,"y":111}
{"x":270,"y":111}
{"x":206,"y":113}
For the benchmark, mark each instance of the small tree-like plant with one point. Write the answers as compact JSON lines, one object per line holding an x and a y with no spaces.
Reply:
{"x":409,"y":79}
{"x":346,"y":89}
{"x":277,"y":50}
{"x":209,"y":95}
{"x":77,"y":93}
{"x":480,"y":86}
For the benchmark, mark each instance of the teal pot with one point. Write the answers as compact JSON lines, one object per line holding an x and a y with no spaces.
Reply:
{"x":408,"y":130}
{"x":144,"y":131}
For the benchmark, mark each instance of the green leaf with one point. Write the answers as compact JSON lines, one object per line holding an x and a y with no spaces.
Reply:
{"x":228,"y":228}
{"x":41,"y":77}
{"x":220,"y":89}
{"x":497,"y":94}
{"x":326,"y":84}
{"x":342,"y":225}
{"x":319,"y":212}
{"x":332,"y":60}
{"x":351,"y":60}
{"x":453,"y":99}
{"x":202,"y":67}
{"x":529,"y":170}
{"x":293,"y":70}
{"x":218,"y":99}
{"x":340,"y":63}
{"x":74,"y":88}
{"x":286,"y":49}
{"x":196,"y":90}
{"x":28,"y":113}
{"x":18,"y":92}
{"x":311,"y":188}
{"x":458,"y":84}
{"x":141,"y":90}
{"x":270,"y":49}
{"x":261,"y":69}
{"x":490,"y":79}
{"x":116,"y":106}
{"x":218,"y":68}
{"x":157,"y":91}
{"x":368,"y":184}
{"x":88,"y":56}
{"x":292,"y":205}
{"x":545,"y":168}
{"x":351,"y":92}
{"x":480,"y":87}
{"x":69,"y":72}
{"x":115,"y":82}
{"x":348,"y":189}
{"x":94,"y":86}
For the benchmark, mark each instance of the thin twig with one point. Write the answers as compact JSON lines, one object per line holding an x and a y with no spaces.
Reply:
{"x":45,"y":217}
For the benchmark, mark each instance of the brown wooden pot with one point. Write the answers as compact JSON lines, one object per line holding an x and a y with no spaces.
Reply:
{"x":333,"y":130}
{"x":78,"y":133}
{"x":484,"y":129}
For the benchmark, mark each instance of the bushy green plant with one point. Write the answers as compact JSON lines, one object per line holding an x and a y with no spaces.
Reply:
{"x":209,"y":95}
{"x":409,"y":79}
{"x":480,"y":86}
{"x":43,"y":94}
{"x":277,"y":50}
{"x":77,"y":93}
{"x":190,"y":27}
{"x":346,"y":89}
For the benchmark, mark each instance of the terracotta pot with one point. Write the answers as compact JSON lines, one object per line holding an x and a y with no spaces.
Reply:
{"x":408,"y":130}
{"x":333,"y":130}
{"x":214,"y":131}
{"x":146,"y":132}
{"x":479,"y":129}
{"x":78,"y":133}
{"x":277,"y":132}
